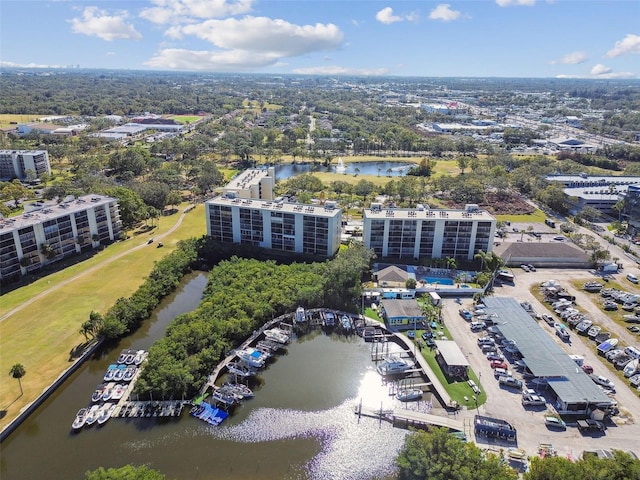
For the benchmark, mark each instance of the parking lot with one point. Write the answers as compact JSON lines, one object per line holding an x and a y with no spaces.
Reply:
{"x":506,"y":403}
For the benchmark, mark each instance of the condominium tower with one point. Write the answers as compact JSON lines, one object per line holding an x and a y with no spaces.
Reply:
{"x":16,"y":163}
{"x":425,"y":233}
{"x":52,"y":231}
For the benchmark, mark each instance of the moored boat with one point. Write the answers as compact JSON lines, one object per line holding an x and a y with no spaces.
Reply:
{"x":129,"y":359}
{"x":81,"y":418}
{"x":108,"y":391}
{"x":92,"y":415}
{"x":607,"y":345}
{"x":118,"y":392}
{"x":277,"y":335}
{"x":409,"y":394}
{"x":105,"y":413}
{"x":97,"y":394}
{"x":239,"y":389}
{"x":139,"y":357}
{"x":123,"y":356}
{"x":119,"y":373}
{"x":393,"y":365}
{"x":111,"y":370}
{"x":240,"y":369}
{"x":252,"y":357}
{"x":129,"y":372}
{"x":594,"y":331}
{"x":224,"y":396}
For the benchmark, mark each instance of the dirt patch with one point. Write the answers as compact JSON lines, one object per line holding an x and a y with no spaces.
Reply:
{"x":512,"y":205}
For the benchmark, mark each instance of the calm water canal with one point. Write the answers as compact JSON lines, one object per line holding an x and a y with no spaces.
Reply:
{"x":300,"y":425}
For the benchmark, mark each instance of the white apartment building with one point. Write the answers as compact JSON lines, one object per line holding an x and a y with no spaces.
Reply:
{"x":425,"y":233}
{"x":15,"y":163}
{"x":52,"y":231}
{"x":289,"y":227}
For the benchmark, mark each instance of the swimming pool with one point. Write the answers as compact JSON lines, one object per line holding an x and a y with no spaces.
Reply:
{"x":438,"y":280}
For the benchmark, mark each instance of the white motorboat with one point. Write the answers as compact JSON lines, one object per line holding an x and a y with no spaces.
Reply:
{"x":129,"y":373}
{"x":277,"y":335}
{"x":81,"y":418}
{"x":226,"y":397}
{"x":118,"y":392}
{"x":97,"y":394}
{"x":129,"y":358}
{"x":631,"y":368}
{"x":108,"y":391}
{"x":119,"y":373}
{"x":139,"y":357}
{"x":346,"y":323}
{"x":594,"y":331}
{"x":393,"y":365}
{"x":108,"y":376}
{"x":92,"y":415}
{"x":240,"y":369}
{"x":409,"y":394}
{"x":123,"y":357}
{"x":105,"y":413}
{"x":239,"y":389}
{"x":252,"y":357}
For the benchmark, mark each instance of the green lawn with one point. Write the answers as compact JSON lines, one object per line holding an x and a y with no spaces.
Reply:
{"x":41,"y":335}
{"x":536,"y":217}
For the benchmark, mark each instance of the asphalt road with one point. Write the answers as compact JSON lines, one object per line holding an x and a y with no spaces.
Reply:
{"x":506,"y":403}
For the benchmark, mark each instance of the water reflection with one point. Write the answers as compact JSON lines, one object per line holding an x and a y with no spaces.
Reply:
{"x":382,"y":169}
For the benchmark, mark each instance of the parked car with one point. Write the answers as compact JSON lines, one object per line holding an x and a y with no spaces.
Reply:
{"x":531,"y":267}
{"x":632,"y":278}
{"x":495,"y":357}
{"x":501,"y":372}
{"x":555,"y":422}
{"x":411,"y":334}
{"x":588,"y":369}
{"x":466,"y":314}
{"x":478,"y":326}
{"x":533,"y":400}
{"x":510,"y":382}
{"x":604,"y":381}
{"x":486,"y":341}
{"x":499,"y":364}
{"x":525,"y":267}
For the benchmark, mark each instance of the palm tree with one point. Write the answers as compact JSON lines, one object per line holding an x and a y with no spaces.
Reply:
{"x":18,"y":371}
{"x":482,"y":256}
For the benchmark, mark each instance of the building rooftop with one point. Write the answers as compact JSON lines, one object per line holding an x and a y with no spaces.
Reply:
{"x":296,"y":208}
{"x":43,"y":211}
{"x":451,"y":353}
{"x":543,"y":356}
{"x":535,"y":249}
{"x":22,"y":152}
{"x":394,"y":308}
{"x":414,"y":213}
{"x":248,"y":178}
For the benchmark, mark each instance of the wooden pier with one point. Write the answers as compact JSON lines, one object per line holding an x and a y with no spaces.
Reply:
{"x":409,"y":418}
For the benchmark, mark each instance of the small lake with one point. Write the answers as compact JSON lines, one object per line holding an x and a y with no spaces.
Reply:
{"x":382,"y":169}
{"x":300,"y":425}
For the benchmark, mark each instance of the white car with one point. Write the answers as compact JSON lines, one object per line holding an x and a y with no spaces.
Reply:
{"x":604,"y":381}
{"x":478,"y":325}
{"x":533,"y":400}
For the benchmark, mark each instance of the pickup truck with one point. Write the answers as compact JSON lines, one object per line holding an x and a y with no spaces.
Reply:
{"x":591,"y":425}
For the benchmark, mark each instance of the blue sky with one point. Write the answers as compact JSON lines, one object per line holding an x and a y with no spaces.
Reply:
{"x":496,"y":38}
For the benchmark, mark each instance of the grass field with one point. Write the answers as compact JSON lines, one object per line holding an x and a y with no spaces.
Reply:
{"x":41,"y":335}
{"x":186,"y":118}
{"x":7,"y":118}
{"x":536,"y":217}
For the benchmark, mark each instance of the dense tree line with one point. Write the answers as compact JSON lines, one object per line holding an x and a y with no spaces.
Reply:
{"x":243,"y":294}
{"x":438,"y":455}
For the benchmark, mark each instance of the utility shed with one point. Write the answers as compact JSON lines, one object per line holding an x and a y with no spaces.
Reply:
{"x":575,"y":393}
{"x":451,"y":359}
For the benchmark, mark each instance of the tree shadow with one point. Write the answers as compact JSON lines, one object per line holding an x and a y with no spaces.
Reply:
{"x":77,"y":351}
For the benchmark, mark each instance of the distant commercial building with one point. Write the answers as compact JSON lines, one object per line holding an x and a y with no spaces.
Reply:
{"x":52,"y":231}
{"x":599,"y":192}
{"x":425,"y":233}
{"x":16,"y":163}
{"x":289,"y":227}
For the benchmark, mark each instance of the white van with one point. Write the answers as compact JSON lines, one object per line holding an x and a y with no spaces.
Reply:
{"x":632,"y":278}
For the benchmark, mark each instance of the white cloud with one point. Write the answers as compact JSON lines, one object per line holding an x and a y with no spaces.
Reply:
{"x":573,"y":58}
{"x":96,"y":22}
{"x":185,"y":11}
{"x":335,"y":70}
{"x":387,"y":17}
{"x":630,"y":44}
{"x":600,"y":69}
{"x":508,"y":3}
{"x":443,"y":12}
{"x":246,"y":44}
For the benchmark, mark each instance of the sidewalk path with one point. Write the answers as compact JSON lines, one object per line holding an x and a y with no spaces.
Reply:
{"x":106,"y":261}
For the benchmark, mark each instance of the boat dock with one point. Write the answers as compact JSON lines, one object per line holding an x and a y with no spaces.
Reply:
{"x":410,"y":418}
